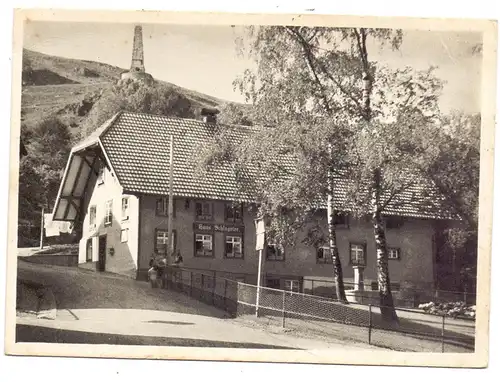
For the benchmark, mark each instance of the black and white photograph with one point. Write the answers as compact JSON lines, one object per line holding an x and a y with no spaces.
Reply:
{"x":311,"y":190}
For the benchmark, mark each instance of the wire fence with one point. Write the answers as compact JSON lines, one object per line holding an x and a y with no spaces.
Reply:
{"x":403,"y":297}
{"x":415,"y":331}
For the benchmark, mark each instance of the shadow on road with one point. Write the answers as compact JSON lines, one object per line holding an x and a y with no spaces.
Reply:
{"x":168,"y":322}
{"x":76,"y":288}
{"x":29,"y":333}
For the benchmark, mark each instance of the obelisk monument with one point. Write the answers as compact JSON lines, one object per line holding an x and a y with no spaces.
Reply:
{"x":137,"y":70}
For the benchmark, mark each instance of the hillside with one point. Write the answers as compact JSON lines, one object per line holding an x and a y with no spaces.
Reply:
{"x":69,"y":88}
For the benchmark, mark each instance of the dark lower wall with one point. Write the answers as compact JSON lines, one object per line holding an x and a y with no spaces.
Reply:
{"x":61,"y":260}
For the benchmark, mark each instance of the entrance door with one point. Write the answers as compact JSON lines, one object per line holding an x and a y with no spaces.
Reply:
{"x":101,"y":265}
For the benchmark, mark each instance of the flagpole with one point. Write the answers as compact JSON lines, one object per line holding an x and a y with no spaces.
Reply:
{"x":41,"y":228}
{"x":170,"y":200}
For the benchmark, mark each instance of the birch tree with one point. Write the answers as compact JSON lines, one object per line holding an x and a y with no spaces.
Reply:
{"x":327,"y":72}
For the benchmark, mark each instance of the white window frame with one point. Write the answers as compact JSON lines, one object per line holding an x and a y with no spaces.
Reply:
{"x":162,"y":234}
{"x":357,"y":249}
{"x":124,"y":235}
{"x":391,"y":251}
{"x":161,"y":238}
{"x":126,"y":210}
{"x":291,"y":283}
{"x":108,"y":212}
{"x":204,"y":239}
{"x":233,"y":240}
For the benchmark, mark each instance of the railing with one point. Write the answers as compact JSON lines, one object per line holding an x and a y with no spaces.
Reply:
{"x":414,"y":331}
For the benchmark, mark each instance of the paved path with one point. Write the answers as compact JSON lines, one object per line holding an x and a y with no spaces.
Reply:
{"x":106,"y":308}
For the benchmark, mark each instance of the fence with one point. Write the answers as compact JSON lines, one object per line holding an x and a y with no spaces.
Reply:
{"x":415,"y":331}
{"x":404,"y":297}
{"x":408,"y":297}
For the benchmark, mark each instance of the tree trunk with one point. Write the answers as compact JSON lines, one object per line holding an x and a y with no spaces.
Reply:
{"x":334,"y":250}
{"x":384,"y":284}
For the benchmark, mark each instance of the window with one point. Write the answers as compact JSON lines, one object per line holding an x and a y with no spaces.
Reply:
{"x":100,"y":175}
{"x":161,"y":241}
{"x":203,"y":245}
{"x":275,"y":252}
{"x":341,"y":219}
{"x":162,"y":206}
{"x":357,"y":254}
{"x":393,"y":253}
{"x":125,"y":208}
{"x":108,"y":217}
{"x":393,"y":222}
{"x":124,"y":235}
{"x":204,"y":211}
{"x":92,"y":217}
{"x":273,"y":283}
{"x":292,"y":286}
{"x":233,"y":212}
{"x":234,"y":247}
{"x":323,"y":255}
{"x":89,"y":250}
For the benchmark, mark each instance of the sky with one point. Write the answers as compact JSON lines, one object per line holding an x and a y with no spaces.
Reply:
{"x":204,"y":58}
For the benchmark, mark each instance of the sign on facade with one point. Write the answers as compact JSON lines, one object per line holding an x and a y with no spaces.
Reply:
{"x":260,"y":232}
{"x":207,"y":227}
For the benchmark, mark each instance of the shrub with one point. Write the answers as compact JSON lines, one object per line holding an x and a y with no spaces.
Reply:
{"x":451,"y":309}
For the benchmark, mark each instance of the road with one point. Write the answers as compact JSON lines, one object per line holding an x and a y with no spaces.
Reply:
{"x":103,"y":308}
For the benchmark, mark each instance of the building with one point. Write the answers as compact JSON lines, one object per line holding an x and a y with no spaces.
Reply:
{"x":116,"y":187}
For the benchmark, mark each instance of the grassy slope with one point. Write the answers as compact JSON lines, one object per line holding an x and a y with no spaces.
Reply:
{"x":61,"y":84}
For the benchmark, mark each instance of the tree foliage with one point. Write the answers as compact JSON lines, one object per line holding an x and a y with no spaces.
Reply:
{"x":48,"y":145}
{"x":135,"y":96}
{"x":339,"y":115}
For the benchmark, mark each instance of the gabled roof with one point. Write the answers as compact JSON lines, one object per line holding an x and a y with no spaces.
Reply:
{"x":137,"y":148}
{"x":83,"y":163}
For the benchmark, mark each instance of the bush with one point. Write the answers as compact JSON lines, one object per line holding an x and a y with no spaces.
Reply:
{"x":451,"y":309}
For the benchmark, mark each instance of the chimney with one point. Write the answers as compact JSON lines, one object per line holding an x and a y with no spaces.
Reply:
{"x":209,"y":115}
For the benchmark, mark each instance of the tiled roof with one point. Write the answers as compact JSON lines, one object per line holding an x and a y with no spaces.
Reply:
{"x":138,"y":145}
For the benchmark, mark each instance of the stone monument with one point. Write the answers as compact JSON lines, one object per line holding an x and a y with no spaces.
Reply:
{"x":137,"y":70}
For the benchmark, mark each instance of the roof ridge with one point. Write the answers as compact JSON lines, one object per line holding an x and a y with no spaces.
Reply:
{"x":176,"y":118}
